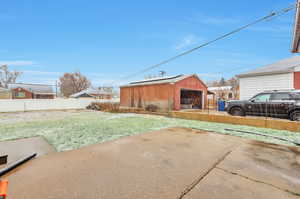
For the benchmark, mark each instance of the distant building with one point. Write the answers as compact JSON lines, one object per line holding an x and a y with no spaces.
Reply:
{"x":93,"y":93}
{"x":166,"y":93}
{"x":31,"y":91}
{"x":282,"y":75}
{"x":224,"y":92}
{"x":5,"y":93}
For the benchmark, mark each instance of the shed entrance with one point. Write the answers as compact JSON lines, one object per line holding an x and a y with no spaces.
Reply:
{"x":190,"y":99}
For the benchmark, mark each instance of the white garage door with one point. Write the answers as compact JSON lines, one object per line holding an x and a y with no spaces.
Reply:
{"x":250,"y":86}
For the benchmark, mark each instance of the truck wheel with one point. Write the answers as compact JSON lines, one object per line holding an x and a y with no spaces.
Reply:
{"x":236,"y":111}
{"x":295,"y":116}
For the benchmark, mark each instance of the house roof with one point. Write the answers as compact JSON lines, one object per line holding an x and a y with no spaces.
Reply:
{"x":91,"y":92}
{"x":282,"y":66}
{"x":159,"y":80}
{"x":34,"y":88}
{"x":296,"y":36}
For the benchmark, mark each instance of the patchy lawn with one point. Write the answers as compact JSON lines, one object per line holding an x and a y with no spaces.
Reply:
{"x":78,"y":129}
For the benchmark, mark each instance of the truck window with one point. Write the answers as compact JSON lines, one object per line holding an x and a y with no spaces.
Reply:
{"x":296,"y":96}
{"x":280,"y":96}
{"x":262,"y":98}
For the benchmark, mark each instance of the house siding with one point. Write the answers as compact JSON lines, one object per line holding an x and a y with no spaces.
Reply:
{"x":5,"y":94}
{"x":29,"y":95}
{"x":17,"y":91}
{"x":250,"y":86}
{"x":297,"y":80}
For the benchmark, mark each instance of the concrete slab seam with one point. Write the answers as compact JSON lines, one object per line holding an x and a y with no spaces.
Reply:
{"x":258,"y":181}
{"x":198,"y":180}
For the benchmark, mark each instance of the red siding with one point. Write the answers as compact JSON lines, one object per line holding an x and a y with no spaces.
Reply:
{"x":140,"y":96}
{"x":28,"y":95}
{"x":192,"y":83}
{"x":297,"y":80}
{"x":167,"y":96}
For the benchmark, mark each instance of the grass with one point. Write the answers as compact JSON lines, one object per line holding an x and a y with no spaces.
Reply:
{"x":93,"y":127}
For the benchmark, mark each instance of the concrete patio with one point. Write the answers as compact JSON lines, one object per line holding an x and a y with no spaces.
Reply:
{"x":170,"y":163}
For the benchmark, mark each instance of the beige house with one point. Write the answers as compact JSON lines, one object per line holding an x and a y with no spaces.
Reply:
{"x":5,"y":93}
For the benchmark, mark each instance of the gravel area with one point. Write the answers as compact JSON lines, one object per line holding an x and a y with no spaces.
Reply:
{"x":67,"y":130}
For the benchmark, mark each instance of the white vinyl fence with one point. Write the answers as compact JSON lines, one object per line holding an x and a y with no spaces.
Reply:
{"x":17,"y":105}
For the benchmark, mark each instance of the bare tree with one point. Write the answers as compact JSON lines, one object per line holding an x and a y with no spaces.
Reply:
{"x":222,"y":82}
{"x":108,"y":89}
{"x":71,"y":83}
{"x":214,"y":83}
{"x":8,"y":77}
{"x":234,"y":83}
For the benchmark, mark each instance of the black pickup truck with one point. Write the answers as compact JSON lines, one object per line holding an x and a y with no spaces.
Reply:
{"x":281,"y":104}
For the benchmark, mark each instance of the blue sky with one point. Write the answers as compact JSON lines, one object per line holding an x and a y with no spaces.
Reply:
{"x":107,"y":40}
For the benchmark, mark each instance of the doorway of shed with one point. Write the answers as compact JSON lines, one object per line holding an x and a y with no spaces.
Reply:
{"x":190,"y":99}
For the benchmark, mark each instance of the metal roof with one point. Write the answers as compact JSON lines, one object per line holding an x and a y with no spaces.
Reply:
{"x":159,"y":80}
{"x":282,"y":66}
{"x":33,"y":88}
{"x":91,"y":92}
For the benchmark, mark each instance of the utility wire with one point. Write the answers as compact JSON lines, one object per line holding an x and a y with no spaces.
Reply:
{"x":267,"y":17}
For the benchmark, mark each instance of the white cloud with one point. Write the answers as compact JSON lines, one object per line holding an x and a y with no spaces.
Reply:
{"x":209,"y":75}
{"x":17,"y":63}
{"x":34,"y":72}
{"x":210,"y":20}
{"x":187,"y":41}
{"x":102,"y":79}
{"x":42,"y":77}
{"x":50,"y":77}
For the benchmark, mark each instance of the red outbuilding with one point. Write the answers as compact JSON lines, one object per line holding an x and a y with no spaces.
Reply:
{"x":167,"y":93}
{"x":31,"y":91}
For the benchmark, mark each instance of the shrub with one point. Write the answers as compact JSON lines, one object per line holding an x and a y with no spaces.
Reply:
{"x":152,"y":108}
{"x":104,"y":106}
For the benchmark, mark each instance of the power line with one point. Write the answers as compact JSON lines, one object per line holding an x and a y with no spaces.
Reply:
{"x":267,"y":17}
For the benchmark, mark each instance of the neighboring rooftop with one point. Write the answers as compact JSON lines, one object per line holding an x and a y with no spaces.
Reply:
{"x":33,"y":88}
{"x":282,"y":66}
{"x":158,"y":80}
{"x":91,"y":92}
{"x":219,"y":88}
